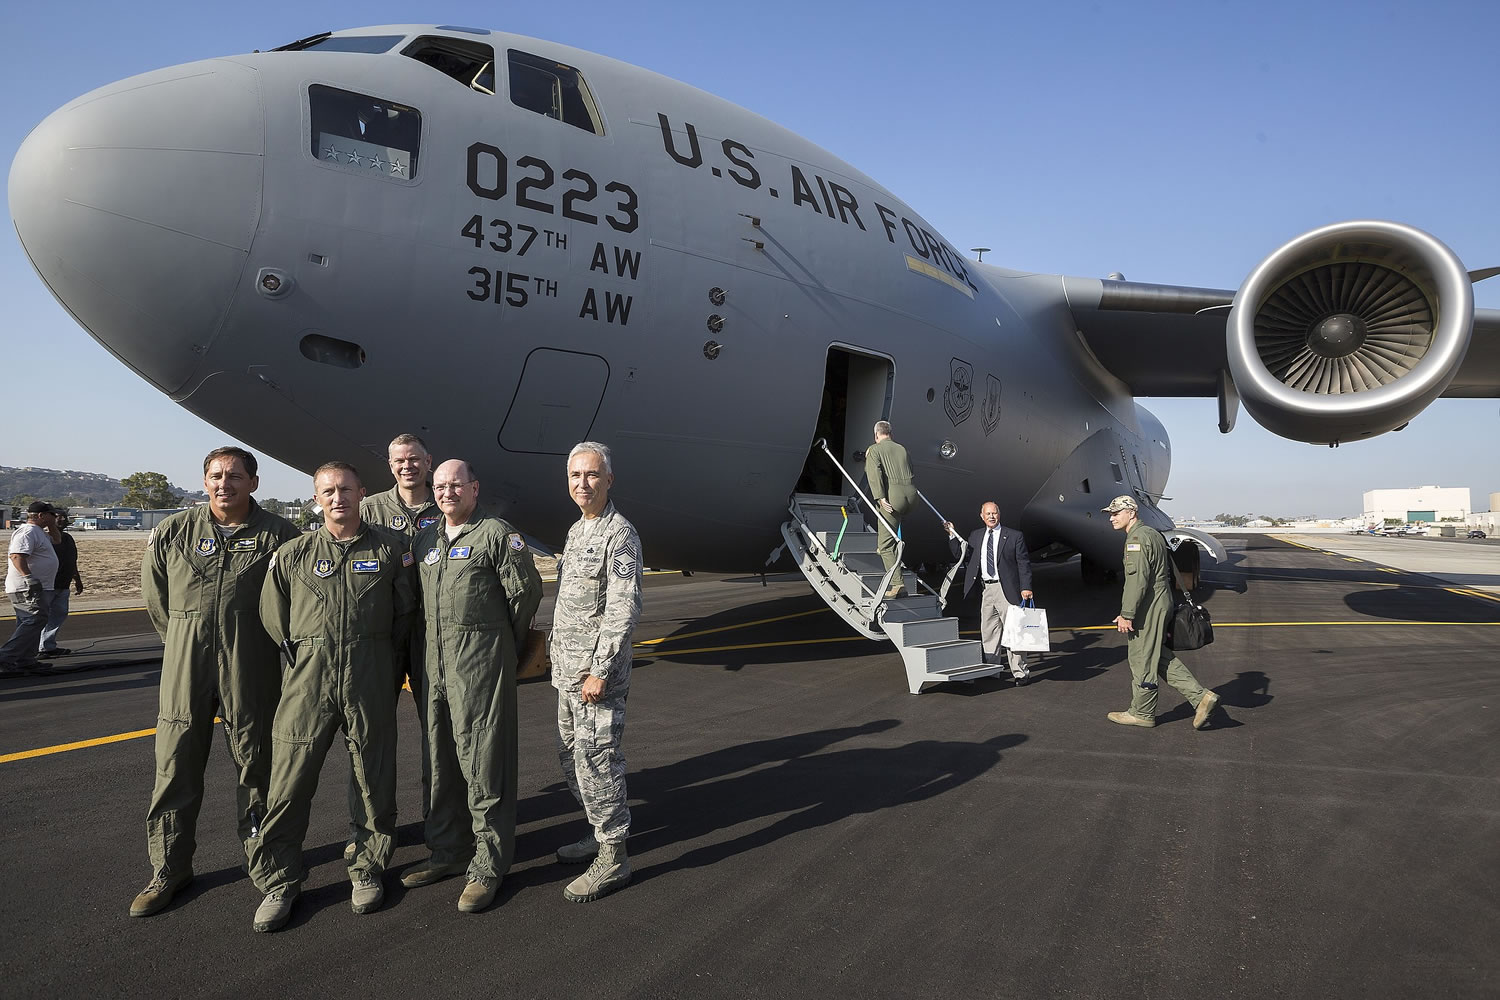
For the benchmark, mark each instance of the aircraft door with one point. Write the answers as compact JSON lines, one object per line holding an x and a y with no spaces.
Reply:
{"x":857,"y":391}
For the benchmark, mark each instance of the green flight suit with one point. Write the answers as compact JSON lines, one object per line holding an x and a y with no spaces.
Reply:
{"x":480,"y":591}
{"x":889,"y":472}
{"x":202,"y":590}
{"x":1147,"y":602}
{"x":387,"y":509}
{"x":346,"y":608}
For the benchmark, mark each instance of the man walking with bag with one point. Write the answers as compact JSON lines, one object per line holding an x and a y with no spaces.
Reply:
{"x":997,"y":555}
{"x":1145,"y":612}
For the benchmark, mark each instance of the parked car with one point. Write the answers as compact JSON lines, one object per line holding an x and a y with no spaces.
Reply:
{"x":1476,"y":533}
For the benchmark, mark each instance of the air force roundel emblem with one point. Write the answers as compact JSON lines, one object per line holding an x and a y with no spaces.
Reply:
{"x":208,"y":546}
{"x":323,"y":568}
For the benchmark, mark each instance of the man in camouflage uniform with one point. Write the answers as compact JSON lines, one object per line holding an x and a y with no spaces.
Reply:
{"x":480,"y":590}
{"x":407,"y":507}
{"x":201,"y":579}
{"x":339,"y":601}
{"x":1145,"y":609}
{"x":598,"y":604}
{"x":893,"y":490}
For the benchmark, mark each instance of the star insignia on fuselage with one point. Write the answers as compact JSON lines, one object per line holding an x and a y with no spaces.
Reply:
{"x":330,"y":153}
{"x":354,"y":158}
{"x":376,"y":162}
{"x":397,"y":167}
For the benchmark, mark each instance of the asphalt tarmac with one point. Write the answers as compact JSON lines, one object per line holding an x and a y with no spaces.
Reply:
{"x":804,"y":827}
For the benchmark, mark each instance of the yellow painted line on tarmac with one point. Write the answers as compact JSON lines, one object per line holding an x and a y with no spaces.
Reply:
{"x":81,"y":744}
{"x":1300,"y":545}
{"x":730,"y":628}
{"x":91,"y":611}
{"x":1350,"y":559}
{"x":1470,"y":592}
{"x":1387,"y":569}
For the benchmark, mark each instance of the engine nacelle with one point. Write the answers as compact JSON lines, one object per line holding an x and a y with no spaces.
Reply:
{"x":1349,"y":331}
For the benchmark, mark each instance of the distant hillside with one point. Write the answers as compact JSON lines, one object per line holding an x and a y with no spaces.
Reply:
{"x":69,"y":489}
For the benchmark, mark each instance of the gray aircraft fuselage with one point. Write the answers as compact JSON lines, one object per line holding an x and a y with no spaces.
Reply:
{"x":505,"y":283}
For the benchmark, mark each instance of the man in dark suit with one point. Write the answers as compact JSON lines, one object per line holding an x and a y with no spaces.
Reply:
{"x":997,"y":556}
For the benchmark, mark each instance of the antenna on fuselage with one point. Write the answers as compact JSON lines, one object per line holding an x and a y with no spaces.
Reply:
{"x":981,"y":251}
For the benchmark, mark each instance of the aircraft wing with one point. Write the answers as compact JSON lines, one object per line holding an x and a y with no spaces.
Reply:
{"x":1169,"y":340}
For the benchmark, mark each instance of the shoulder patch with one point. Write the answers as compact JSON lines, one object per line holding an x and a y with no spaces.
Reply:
{"x":626,"y":560}
{"x":1133,"y":547}
{"x":516,"y":541}
{"x":407,"y":559}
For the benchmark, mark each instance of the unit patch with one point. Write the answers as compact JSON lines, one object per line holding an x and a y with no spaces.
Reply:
{"x":207,"y":546}
{"x":431,"y":557}
{"x":459,"y":552}
{"x":367,"y":565}
{"x":323,"y":568}
{"x":423,"y":522}
{"x":242,"y":544}
{"x":398,"y":521}
{"x":517,"y":542}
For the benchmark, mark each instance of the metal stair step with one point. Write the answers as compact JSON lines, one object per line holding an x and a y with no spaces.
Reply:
{"x":974,"y":672}
{"x":928,"y":630}
{"x":872,"y":580}
{"x":854,"y":541}
{"x":913,"y":608}
{"x":955,"y":653}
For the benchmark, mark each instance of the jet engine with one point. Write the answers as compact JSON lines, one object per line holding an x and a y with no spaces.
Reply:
{"x":1349,"y":331}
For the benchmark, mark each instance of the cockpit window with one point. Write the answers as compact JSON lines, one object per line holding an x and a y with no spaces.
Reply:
{"x":553,"y":89}
{"x":470,"y":63}
{"x":364,"y":134}
{"x":325,"y":42}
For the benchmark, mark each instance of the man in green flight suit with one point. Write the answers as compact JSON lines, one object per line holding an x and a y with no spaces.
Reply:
{"x":894,"y":492}
{"x":339,"y":601}
{"x":201,"y":579}
{"x":480,"y":590}
{"x":1145,"y":610}
{"x":407,"y":507}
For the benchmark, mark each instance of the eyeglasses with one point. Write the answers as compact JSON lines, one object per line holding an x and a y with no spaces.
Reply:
{"x":451,"y":487}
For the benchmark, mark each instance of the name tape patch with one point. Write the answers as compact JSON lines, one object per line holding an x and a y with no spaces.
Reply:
{"x":367,"y":565}
{"x":459,"y":552}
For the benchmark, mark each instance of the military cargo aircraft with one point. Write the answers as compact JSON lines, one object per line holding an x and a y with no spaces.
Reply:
{"x":509,"y":245}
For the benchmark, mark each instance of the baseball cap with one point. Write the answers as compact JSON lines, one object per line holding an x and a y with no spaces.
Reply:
{"x":41,"y":507}
{"x":1121,"y":503}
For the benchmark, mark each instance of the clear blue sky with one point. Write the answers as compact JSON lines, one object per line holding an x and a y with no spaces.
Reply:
{"x":1176,"y":143}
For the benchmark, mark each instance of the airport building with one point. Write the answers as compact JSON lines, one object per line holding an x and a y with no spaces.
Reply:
{"x":1417,"y":504}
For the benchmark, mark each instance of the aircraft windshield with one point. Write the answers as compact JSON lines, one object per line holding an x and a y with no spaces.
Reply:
{"x":364,"y":134}
{"x":326,"y":42}
{"x":553,"y":89}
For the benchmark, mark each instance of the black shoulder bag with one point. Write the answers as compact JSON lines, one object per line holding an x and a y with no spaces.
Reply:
{"x":1191,"y":626}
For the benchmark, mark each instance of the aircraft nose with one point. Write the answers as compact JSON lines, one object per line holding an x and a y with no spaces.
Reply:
{"x":137,"y":205}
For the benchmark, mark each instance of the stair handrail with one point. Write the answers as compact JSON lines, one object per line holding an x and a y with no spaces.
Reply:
{"x":885,"y":581}
{"x":963,"y":553}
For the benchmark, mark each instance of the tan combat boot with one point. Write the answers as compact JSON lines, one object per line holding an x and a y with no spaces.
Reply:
{"x":609,"y":873}
{"x":1127,"y":719}
{"x":479,"y":892}
{"x":158,"y":893}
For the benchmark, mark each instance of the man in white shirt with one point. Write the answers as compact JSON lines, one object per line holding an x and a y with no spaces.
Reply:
{"x":997,"y":556}
{"x":29,"y":576}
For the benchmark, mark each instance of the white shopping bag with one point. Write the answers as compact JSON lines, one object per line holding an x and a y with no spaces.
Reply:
{"x":1025,"y":629}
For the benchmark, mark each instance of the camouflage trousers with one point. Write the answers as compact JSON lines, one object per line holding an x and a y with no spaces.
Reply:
{"x":588,"y":747}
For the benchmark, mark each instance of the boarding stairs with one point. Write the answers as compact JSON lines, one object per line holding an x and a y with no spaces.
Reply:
{"x":836,"y":552}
